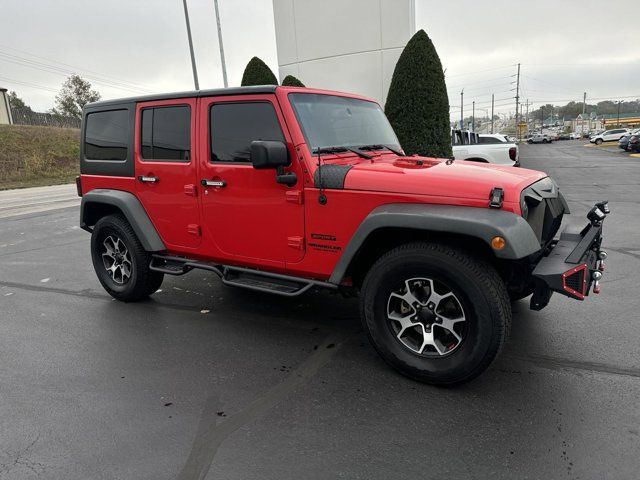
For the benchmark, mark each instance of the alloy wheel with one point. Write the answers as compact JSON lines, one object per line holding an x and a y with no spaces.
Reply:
{"x":427,"y":317}
{"x":116,"y":259}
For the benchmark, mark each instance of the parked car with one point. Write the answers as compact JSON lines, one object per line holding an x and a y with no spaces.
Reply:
{"x":564,"y":136}
{"x":623,"y":143}
{"x":609,"y":136}
{"x":471,"y":147}
{"x":286,"y":189}
{"x":634,"y":144}
{"x":539,"y":138}
{"x":575,"y":136}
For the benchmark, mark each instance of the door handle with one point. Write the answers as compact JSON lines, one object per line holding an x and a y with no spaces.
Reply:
{"x":213,"y":183}
{"x":146,"y":179}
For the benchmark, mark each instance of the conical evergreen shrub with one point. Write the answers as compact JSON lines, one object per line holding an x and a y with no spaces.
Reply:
{"x":417,"y":103}
{"x":258,"y":73}
{"x":291,"y":81}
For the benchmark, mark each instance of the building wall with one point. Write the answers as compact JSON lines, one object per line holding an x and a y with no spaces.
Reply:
{"x":5,"y":110}
{"x":348,"y":45}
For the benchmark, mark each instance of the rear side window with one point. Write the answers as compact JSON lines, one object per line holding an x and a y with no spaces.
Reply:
{"x":233,"y":126}
{"x":106,"y":135}
{"x":165,"y":133}
{"x":489,"y":140}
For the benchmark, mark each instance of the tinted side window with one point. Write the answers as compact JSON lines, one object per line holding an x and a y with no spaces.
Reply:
{"x":489,"y":140}
{"x":106,"y":135}
{"x":165,"y":133}
{"x":233,"y":126}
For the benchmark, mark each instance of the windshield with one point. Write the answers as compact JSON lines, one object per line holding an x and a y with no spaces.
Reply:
{"x":332,"y":121}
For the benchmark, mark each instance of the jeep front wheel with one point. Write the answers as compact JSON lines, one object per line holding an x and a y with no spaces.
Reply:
{"x":120,"y":261}
{"x":435,"y":313}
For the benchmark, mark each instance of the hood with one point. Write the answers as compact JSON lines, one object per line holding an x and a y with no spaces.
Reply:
{"x":438,"y":177}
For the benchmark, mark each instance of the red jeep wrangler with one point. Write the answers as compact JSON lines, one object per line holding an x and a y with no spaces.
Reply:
{"x":281,"y":190}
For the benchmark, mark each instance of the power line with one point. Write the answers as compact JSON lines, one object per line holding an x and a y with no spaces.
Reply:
{"x":28,"y":84}
{"x":60,"y":71}
{"x":480,"y":71}
{"x":77,"y":69}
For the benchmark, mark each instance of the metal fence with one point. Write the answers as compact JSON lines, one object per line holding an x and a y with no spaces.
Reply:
{"x":26,"y":116}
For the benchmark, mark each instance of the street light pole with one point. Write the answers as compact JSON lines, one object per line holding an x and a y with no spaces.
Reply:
{"x":618,"y":113}
{"x":473,"y":117}
{"x":462,"y":110}
{"x":193,"y":59}
{"x":224,"y":65}
{"x":492,"y":113}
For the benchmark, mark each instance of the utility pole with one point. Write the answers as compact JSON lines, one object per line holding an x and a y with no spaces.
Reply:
{"x":541,"y":118}
{"x":584,"y":105}
{"x":517,"y":100}
{"x":462,"y":112}
{"x":473,"y":117}
{"x":193,"y":59}
{"x":618,"y":113}
{"x":492,"y":95}
{"x":526,"y":117}
{"x":224,"y":65}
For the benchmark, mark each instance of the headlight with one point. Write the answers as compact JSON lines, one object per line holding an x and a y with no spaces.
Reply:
{"x":524,"y":208}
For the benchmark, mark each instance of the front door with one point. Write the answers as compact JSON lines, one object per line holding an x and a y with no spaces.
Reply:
{"x":166,"y":174}
{"x":247,"y":216}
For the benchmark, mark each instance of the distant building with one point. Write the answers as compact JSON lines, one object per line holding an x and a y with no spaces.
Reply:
{"x":5,"y":108}
{"x":587,"y":122}
{"x":351,"y":46}
{"x":624,"y":120}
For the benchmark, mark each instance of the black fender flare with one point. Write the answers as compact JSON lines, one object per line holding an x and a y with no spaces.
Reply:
{"x":130,"y":207}
{"x":482,"y":223}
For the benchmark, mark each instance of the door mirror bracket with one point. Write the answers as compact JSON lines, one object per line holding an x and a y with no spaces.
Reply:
{"x":286,"y":178}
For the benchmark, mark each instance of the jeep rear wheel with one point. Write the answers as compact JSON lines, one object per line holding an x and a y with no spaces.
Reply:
{"x":435,"y":313}
{"x":120,"y":261}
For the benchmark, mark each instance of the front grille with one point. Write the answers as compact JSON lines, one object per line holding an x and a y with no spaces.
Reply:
{"x":545,"y":208}
{"x":575,"y":281}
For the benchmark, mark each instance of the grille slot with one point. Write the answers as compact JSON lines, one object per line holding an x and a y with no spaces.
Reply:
{"x":575,"y":281}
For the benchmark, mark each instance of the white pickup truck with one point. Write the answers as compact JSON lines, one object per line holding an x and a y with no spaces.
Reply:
{"x":489,"y":148}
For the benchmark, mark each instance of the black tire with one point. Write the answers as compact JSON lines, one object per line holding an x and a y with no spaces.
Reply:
{"x":530,"y":142}
{"x":483,"y":297}
{"x":544,"y":140}
{"x":598,"y":141}
{"x":142,"y":281}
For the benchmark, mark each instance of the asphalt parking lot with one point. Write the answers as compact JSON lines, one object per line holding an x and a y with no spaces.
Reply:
{"x":204,"y":381}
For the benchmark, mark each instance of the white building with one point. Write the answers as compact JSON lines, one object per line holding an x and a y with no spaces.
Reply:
{"x":347,"y":45}
{"x":5,"y":109}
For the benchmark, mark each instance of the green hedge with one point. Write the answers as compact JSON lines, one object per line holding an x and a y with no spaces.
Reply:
{"x":417,"y":104}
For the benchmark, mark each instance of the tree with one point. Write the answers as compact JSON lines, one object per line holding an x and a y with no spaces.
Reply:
{"x":75,"y":93}
{"x":417,"y":104}
{"x":258,"y":73}
{"x":291,"y":81}
{"x":17,"y":103}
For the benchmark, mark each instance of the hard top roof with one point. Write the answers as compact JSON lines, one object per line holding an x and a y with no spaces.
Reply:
{"x":188,"y":94}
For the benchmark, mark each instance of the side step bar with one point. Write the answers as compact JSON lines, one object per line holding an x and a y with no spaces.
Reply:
{"x":257,"y":280}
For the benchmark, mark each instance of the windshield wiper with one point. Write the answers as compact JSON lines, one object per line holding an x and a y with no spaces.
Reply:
{"x":341,"y":150}
{"x":329,"y":150}
{"x":380,"y":147}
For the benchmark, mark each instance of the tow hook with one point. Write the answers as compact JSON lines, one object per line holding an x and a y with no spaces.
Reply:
{"x":596,"y":281}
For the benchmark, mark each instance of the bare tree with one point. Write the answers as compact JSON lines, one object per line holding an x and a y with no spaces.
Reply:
{"x":75,"y":93}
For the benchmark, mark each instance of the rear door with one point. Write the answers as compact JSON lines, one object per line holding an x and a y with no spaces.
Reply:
{"x":249,"y":217}
{"x":165,"y":168}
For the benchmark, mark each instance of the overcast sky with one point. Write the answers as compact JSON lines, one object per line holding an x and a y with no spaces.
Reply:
{"x":127,"y":47}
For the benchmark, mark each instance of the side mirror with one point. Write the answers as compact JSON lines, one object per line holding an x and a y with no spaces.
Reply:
{"x":269,"y":154}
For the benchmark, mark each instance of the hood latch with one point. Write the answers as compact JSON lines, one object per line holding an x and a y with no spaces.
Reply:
{"x":495,"y":199}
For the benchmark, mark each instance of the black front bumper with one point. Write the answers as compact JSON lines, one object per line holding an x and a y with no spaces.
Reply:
{"x":570,"y":264}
